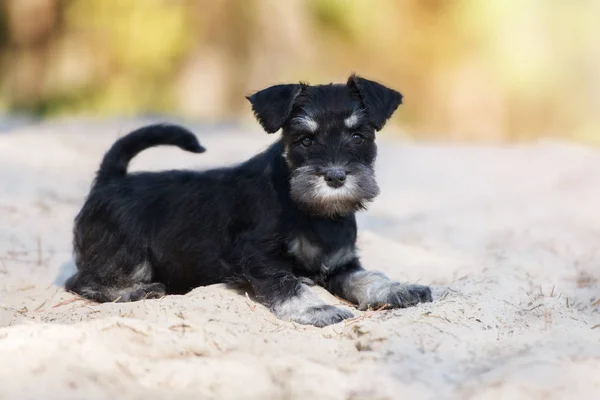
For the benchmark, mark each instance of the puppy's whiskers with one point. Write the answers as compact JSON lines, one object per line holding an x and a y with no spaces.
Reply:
{"x":311,"y":192}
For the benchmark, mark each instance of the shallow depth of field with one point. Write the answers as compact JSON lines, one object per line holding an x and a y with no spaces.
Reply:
{"x":469,"y":70}
{"x":490,"y":192}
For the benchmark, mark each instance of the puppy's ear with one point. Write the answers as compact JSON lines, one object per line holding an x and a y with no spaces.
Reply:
{"x":272,"y":106}
{"x":379,"y":101}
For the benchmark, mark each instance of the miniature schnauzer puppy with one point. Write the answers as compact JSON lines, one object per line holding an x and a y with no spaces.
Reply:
{"x":278,"y":222}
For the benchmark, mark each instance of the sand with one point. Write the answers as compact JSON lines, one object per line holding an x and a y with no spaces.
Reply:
{"x":508,"y":236}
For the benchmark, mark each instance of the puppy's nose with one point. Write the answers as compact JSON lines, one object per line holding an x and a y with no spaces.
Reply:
{"x":335,"y":177}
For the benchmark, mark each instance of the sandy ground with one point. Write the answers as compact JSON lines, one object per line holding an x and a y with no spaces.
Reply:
{"x":508,"y":236}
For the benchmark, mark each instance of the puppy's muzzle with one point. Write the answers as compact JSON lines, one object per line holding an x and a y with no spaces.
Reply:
{"x":335,"y":177}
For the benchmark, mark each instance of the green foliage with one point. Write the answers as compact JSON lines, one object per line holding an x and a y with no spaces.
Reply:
{"x":334,"y":16}
{"x":494,"y":69}
{"x":140,"y":43}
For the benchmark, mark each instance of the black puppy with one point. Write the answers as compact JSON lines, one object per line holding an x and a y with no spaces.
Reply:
{"x":276,"y":222}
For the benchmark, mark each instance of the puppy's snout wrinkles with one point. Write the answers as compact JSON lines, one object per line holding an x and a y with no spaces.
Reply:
{"x":335,"y":177}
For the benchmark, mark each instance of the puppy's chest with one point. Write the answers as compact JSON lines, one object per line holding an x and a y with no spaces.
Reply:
{"x":318,"y":257}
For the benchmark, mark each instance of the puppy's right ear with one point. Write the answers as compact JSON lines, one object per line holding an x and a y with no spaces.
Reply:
{"x":272,"y":106}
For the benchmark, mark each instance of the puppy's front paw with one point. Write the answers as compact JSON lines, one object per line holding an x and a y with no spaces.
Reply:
{"x":398,"y":295}
{"x":308,"y":309}
{"x":419,"y":294}
{"x":324,"y":315}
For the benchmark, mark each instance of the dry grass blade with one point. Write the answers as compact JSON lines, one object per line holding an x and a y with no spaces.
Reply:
{"x":345,"y":302}
{"x":250,"y":302}
{"x":367,"y":314}
{"x":180,"y":327}
{"x":69,"y":301}
{"x":533,"y":308}
{"x":39,"y":308}
{"x":122,"y":325}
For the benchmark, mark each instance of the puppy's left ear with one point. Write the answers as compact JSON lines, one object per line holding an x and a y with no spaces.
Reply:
{"x":272,"y":106}
{"x":379,"y":101}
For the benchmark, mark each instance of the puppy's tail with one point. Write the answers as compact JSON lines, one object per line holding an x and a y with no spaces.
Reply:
{"x":117,"y":158}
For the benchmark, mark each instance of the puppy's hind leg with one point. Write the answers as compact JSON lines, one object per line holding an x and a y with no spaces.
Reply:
{"x":115,"y":289}
{"x":112,"y":266}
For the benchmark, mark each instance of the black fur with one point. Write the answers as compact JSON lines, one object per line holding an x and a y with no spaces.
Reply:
{"x":115,"y":162}
{"x":274,"y":222}
{"x":380,"y":102}
{"x":272,"y":106}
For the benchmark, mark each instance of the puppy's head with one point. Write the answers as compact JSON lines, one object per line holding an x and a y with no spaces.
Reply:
{"x":328,"y":139}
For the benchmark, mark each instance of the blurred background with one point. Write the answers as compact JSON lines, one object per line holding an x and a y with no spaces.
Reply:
{"x":470,"y":70}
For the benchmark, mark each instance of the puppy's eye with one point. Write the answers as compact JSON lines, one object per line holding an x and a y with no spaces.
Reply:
{"x":306,"y":142}
{"x":357,"y":139}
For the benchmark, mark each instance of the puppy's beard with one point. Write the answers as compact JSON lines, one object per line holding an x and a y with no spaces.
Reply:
{"x":312,"y":193}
